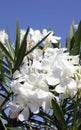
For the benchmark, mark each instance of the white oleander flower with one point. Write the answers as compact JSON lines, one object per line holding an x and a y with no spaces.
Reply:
{"x":29,"y":101}
{"x":56,"y":65}
{"x":37,"y":54}
{"x":3,"y":36}
{"x":3,"y":40}
{"x":32,"y":92}
{"x":51,"y":38}
{"x":59,"y":67}
{"x":70,"y":85}
{"x":35,"y":35}
{"x":67,"y":87}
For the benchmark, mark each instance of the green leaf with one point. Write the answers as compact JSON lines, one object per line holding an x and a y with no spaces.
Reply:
{"x":13,"y":128}
{"x":11,"y":49}
{"x":75,"y":50}
{"x":10,"y":46}
{"x":58,"y":113}
{"x":71,"y":33}
{"x":37,"y":44}
{"x":3,"y":63}
{"x":70,"y":36}
{"x":4,"y":69}
{"x":17,"y":44}
{"x":2,"y":126}
{"x":21,"y":51}
{"x":7,"y":54}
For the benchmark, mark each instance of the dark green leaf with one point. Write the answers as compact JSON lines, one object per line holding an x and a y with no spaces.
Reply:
{"x":58,"y":113}
{"x":13,"y":128}
{"x":4,"y":69}
{"x":7,"y":54}
{"x":2,"y":126}
{"x":21,"y":51}
{"x":77,"y":41}
{"x":71,"y":34}
{"x":17,"y":44}
{"x":10,"y":48}
{"x":3,"y":63}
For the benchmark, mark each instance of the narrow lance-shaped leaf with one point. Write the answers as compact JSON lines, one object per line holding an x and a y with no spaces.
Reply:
{"x":2,"y":126}
{"x":58,"y":113}
{"x":3,"y":63}
{"x":37,"y":44}
{"x":11,"y":49}
{"x":77,"y":41}
{"x":21,"y":51}
{"x":17,"y":44}
{"x":70,"y":36}
{"x":13,"y":128}
{"x":2,"y":68}
{"x":10,"y":46}
{"x":7,"y":54}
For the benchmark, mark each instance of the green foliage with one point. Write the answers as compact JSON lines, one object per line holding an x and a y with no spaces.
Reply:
{"x":2,"y":126}
{"x":20,"y":49}
{"x":6,"y":52}
{"x":58,"y":113}
{"x":73,"y":41}
{"x":13,"y":128}
{"x":17,"y":44}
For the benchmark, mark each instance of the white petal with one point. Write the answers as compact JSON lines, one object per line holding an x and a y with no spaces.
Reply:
{"x":24,"y":115}
{"x":13,"y":114}
{"x":34,"y":107}
{"x":51,"y":80}
{"x":16,"y":74}
{"x":14,"y":110}
{"x":60,"y":89}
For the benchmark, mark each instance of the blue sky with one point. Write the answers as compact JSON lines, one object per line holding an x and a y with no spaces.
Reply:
{"x":38,"y":14}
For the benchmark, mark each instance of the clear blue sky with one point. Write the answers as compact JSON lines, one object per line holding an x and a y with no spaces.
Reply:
{"x":39,"y":14}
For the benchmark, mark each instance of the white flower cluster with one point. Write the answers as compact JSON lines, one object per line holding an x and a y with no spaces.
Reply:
{"x":35,"y":36}
{"x":40,"y":70}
